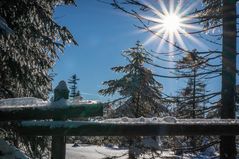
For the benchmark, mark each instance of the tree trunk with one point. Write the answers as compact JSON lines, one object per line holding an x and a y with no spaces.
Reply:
{"x":194,"y":93}
{"x":227,"y":144}
{"x":193,"y":139}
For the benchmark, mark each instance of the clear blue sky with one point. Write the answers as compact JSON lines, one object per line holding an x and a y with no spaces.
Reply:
{"x":102,"y":34}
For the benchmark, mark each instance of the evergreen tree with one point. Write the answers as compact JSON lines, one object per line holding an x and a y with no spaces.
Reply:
{"x":192,"y":98}
{"x":29,"y":53}
{"x":30,"y":41}
{"x":141,"y":93}
{"x":190,"y":102}
{"x":73,"y":86}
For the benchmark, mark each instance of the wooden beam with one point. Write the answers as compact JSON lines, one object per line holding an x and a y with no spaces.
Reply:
{"x":81,"y":128}
{"x":51,"y":112}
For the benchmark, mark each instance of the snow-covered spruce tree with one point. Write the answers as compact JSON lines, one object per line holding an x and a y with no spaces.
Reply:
{"x":29,"y":53}
{"x":140,"y":92}
{"x":27,"y":56}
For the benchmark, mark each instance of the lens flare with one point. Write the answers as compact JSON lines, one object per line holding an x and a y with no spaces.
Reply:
{"x":170,"y":24}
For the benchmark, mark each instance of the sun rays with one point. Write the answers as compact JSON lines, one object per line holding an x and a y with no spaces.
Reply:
{"x":170,"y":24}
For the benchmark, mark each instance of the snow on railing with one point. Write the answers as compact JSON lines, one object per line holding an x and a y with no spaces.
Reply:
{"x":22,"y":102}
{"x":168,"y":126}
{"x":25,"y":102}
{"x":30,"y":108}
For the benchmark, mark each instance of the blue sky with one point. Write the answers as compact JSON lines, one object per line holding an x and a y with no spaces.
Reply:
{"x":102,"y":34}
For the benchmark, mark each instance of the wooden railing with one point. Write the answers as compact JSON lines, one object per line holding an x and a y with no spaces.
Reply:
{"x":60,"y":127}
{"x":51,"y":112}
{"x":85,"y":128}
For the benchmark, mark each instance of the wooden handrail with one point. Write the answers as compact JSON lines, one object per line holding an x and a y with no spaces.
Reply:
{"x":51,"y":112}
{"x":85,"y":128}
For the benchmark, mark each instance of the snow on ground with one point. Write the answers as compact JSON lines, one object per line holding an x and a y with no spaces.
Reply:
{"x":92,"y":152}
{"x":85,"y":151}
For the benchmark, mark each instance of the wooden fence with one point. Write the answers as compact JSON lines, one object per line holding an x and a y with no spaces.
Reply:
{"x":60,"y":127}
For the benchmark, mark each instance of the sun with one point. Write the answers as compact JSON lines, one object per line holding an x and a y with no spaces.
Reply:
{"x":171,"y":24}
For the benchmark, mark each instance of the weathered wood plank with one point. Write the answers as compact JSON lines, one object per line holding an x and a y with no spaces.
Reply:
{"x":51,"y":112}
{"x":80,"y":128}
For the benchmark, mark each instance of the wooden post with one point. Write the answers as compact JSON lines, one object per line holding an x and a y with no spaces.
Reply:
{"x":58,"y":150}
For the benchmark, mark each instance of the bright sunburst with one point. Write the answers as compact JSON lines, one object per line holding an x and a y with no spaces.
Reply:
{"x":171,"y":24}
